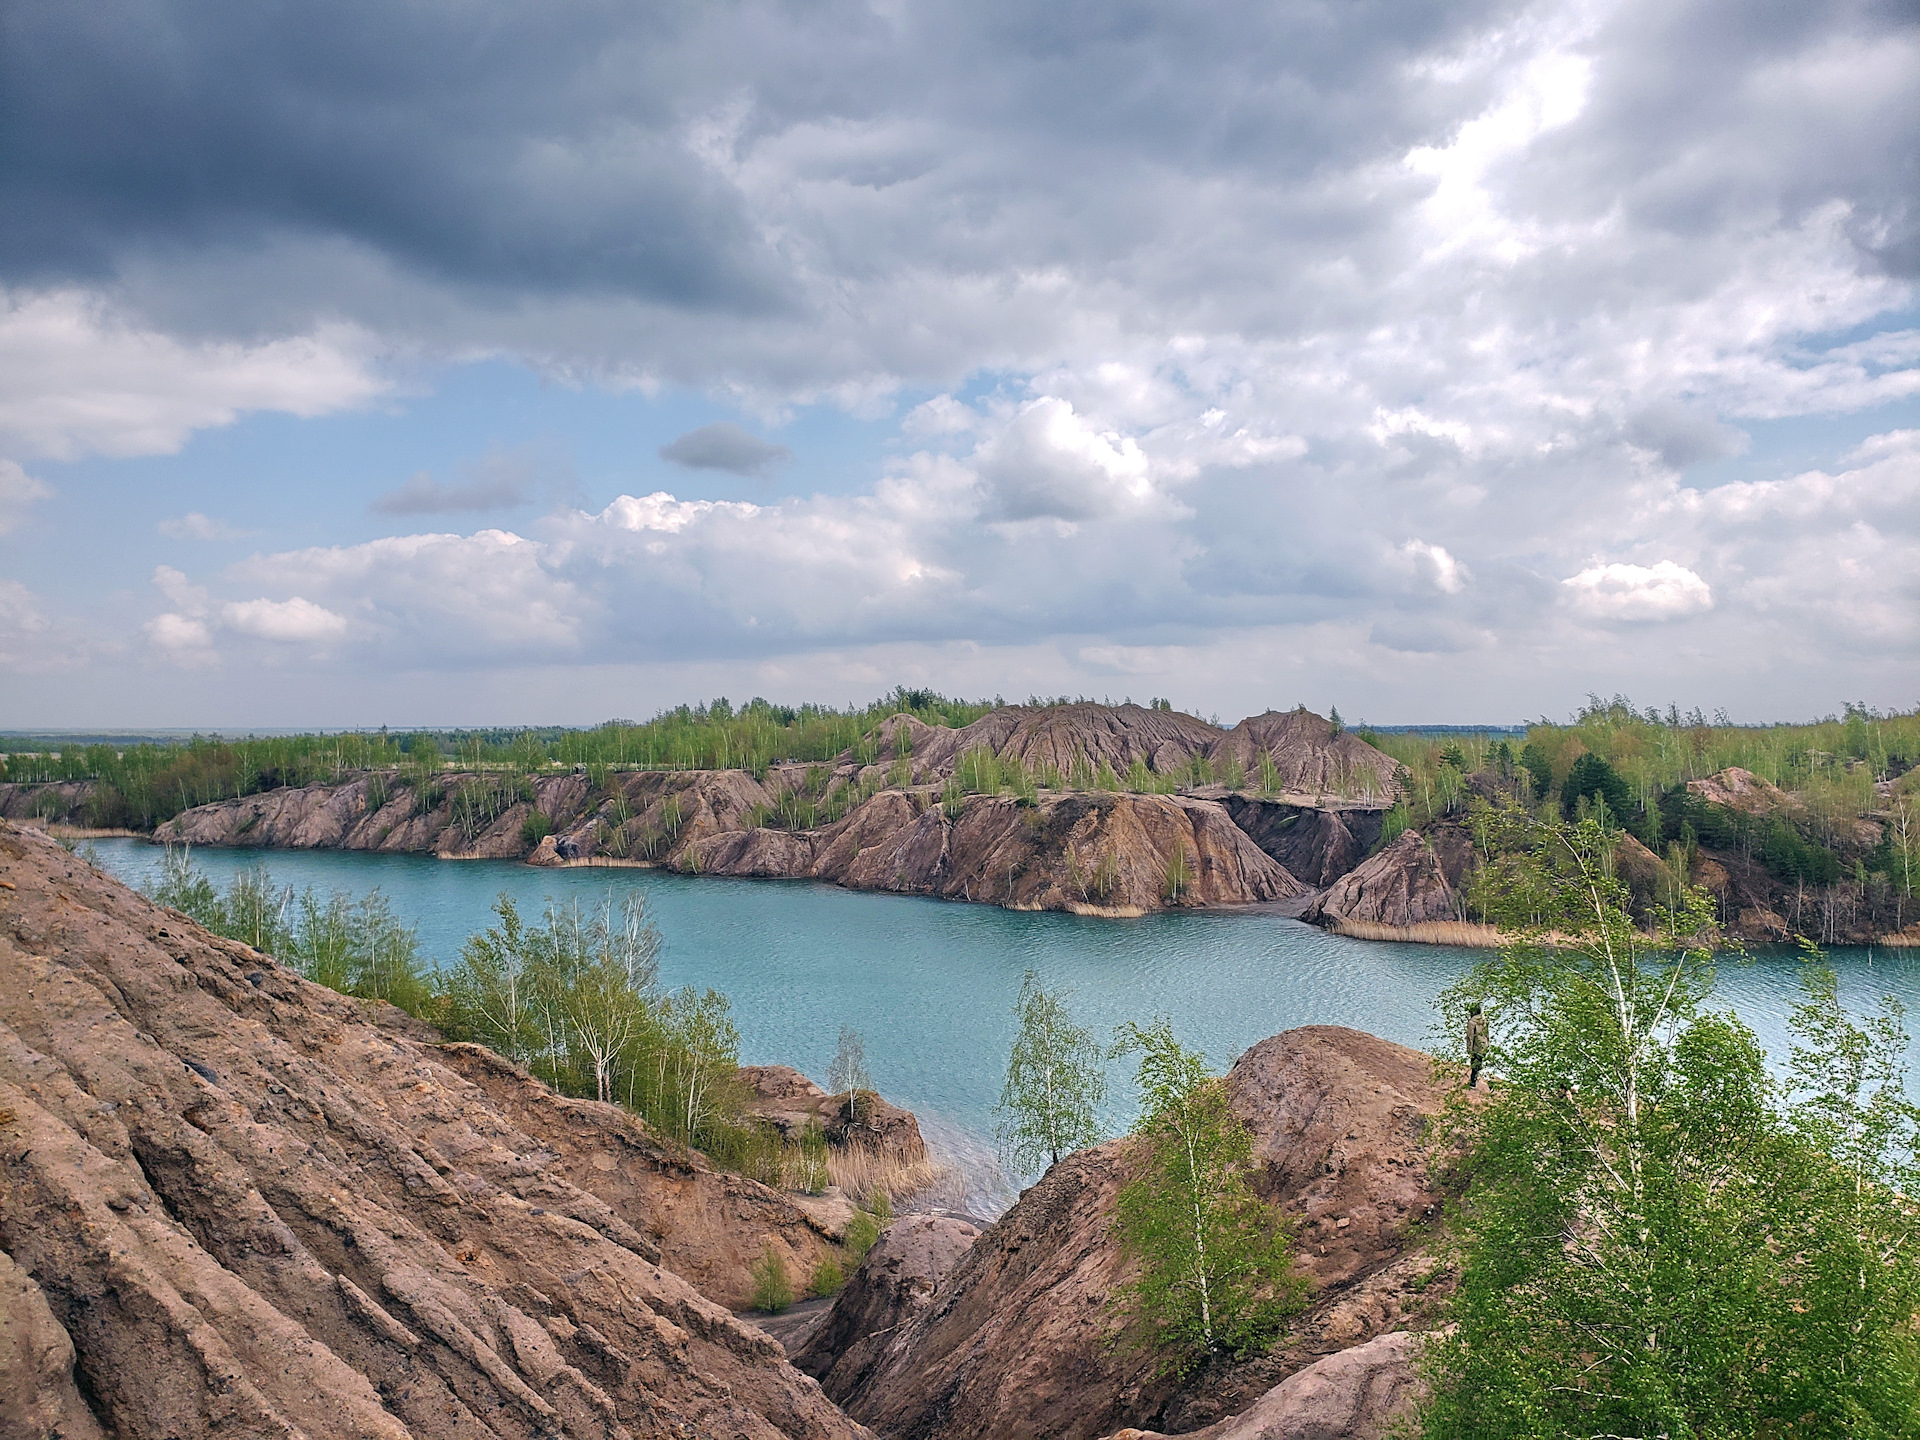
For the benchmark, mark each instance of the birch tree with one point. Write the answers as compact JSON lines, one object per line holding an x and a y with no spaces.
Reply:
{"x":1657,"y":1238}
{"x":598,"y":974}
{"x":1212,"y":1259}
{"x":1056,"y":1081}
{"x":492,"y":993}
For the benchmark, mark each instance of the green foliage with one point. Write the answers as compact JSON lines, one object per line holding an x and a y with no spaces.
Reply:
{"x":863,"y":1233}
{"x":828,"y":1278}
{"x":190,"y":892}
{"x":1656,"y":1240}
{"x":150,"y":783}
{"x":1056,"y":1082}
{"x":1213,"y":1260}
{"x":575,"y":999}
{"x":351,"y":944}
{"x":772,"y":1290}
{"x":1595,"y":781}
{"x":1269,"y":775}
{"x":1394,"y":824}
{"x":1179,"y":876}
{"x":536,"y":827}
{"x":810,"y":1172}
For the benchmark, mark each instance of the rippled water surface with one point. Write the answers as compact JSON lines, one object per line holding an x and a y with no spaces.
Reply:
{"x":930,"y":983}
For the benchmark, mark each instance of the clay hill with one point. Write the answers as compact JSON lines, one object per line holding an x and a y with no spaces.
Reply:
{"x":232,"y":1204}
{"x":1012,"y":1333}
{"x":1101,"y":809}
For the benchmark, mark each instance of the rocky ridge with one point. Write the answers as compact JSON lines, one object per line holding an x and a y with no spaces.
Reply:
{"x":897,"y":824}
{"x":1019,"y":1336}
{"x":235,"y":1205}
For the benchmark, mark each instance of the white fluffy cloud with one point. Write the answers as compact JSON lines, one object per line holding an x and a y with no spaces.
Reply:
{"x":1049,"y":463}
{"x":78,"y":379}
{"x":1660,"y":591}
{"x":293,"y":620}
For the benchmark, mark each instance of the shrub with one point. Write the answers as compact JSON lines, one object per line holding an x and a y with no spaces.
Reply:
{"x":1179,"y":877}
{"x":772,"y":1290}
{"x":863,"y":1232}
{"x":1215,"y":1260}
{"x":536,"y":827}
{"x":828,"y":1278}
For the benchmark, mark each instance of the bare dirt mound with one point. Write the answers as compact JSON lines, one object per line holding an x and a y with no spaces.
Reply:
{"x":1413,"y":881}
{"x":1062,"y":738}
{"x":1742,"y":790}
{"x":1309,"y":756}
{"x":252,"y":1212}
{"x":1020,"y":1337}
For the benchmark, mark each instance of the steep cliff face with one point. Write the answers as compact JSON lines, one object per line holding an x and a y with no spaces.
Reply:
{"x":1413,"y":881}
{"x":1020,"y":1337}
{"x":253,"y":1212}
{"x":894,"y":1284}
{"x":1129,"y":853}
{"x":1317,"y":845}
{"x":1121,"y":852}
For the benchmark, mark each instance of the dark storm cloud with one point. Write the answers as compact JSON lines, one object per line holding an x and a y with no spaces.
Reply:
{"x":512,"y":147}
{"x":725,"y":446}
{"x":584,"y":149}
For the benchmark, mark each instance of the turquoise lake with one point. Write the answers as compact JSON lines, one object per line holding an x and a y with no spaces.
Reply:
{"x":929,"y":984}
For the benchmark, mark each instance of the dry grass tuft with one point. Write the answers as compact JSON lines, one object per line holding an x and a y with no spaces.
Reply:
{"x":1427,"y":932}
{"x":861,"y":1171}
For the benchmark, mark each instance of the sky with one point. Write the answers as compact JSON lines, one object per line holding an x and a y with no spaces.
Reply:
{"x":450,"y":362}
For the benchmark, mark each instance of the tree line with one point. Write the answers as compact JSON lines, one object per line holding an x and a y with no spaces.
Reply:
{"x":140,"y":786}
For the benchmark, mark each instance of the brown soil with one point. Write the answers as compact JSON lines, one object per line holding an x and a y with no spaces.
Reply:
{"x":255,"y":1212}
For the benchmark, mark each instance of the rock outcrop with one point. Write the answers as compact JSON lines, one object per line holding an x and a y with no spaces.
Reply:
{"x":1116,"y":852}
{"x":1413,"y":881}
{"x":894,"y":1284}
{"x":1359,"y":1394}
{"x":1316,"y":844}
{"x":789,"y":1101}
{"x":38,"y":1399}
{"x":253,"y":1212}
{"x":1021,"y":1336}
